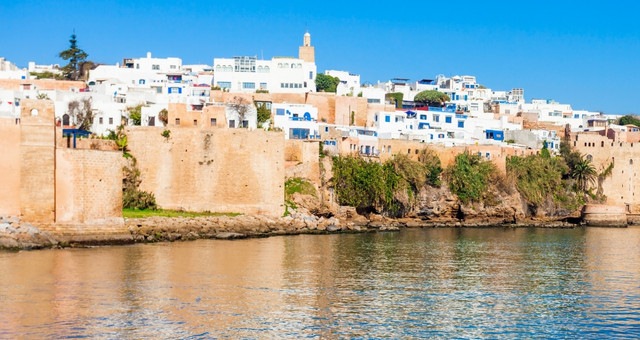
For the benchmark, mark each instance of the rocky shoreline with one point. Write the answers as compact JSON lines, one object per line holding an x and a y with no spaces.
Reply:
{"x":16,"y":235}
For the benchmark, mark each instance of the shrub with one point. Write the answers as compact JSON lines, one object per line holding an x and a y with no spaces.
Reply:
{"x":468,"y":177}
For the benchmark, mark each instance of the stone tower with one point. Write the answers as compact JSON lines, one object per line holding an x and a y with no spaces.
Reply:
{"x":306,"y":51}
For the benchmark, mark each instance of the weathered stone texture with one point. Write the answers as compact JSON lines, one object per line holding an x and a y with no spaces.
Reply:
{"x":218,"y":170}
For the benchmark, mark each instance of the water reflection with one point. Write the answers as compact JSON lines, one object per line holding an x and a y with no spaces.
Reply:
{"x":416,"y":283}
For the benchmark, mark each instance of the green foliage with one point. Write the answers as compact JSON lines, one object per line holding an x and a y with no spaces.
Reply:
{"x":42,"y":96}
{"x":264,"y":114}
{"x":433,"y":166}
{"x":298,"y":185}
{"x":390,"y":188}
{"x":135,"y":213}
{"x":584,"y":173}
{"x":47,"y":75}
{"x":629,"y":120}
{"x":538,"y":178}
{"x":75,"y":56}
{"x":215,"y":88}
{"x":326,"y":83}
{"x":135,"y":114}
{"x":396,"y":98}
{"x":262,"y":91}
{"x":431,"y":98}
{"x":166,"y":134}
{"x":120,"y":138}
{"x":469,"y":176}
{"x":132,"y":196}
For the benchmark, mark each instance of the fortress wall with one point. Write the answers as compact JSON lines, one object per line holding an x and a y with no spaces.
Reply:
{"x":88,"y":186}
{"x":217,"y":170}
{"x":302,"y":160}
{"x":37,"y":161}
{"x":10,"y":160}
{"x":621,"y":186}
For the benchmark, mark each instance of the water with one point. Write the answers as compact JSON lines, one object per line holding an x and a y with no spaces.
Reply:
{"x":463,"y":283}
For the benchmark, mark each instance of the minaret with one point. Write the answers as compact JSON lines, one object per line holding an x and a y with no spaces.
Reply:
{"x":306,"y":51}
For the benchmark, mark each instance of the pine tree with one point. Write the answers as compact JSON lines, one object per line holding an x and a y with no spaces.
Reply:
{"x":75,"y":56}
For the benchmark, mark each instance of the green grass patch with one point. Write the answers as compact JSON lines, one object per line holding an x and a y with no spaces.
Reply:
{"x":135,"y":213}
{"x":298,"y":185}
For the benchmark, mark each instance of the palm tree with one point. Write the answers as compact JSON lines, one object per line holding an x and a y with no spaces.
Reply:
{"x":584,"y":173}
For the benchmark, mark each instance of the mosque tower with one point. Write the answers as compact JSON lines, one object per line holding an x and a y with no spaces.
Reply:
{"x":306,"y":51}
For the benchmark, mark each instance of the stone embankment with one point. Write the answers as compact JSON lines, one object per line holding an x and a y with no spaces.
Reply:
{"x":19,"y":235}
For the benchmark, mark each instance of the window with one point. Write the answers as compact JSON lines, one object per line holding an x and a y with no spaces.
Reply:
{"x":436,"y":118}
{"x":173,"y":67}
{"x":326,"y":129}
{"x":423,"y":117}
{"x":152,"y":121}
{"x":177,"y":121}
{"x":248,"y":85}
{"x":387,"y":119}
{"x":310,"y":74}
{"x":214,"y":122}
{"x":461,"y":123}
{"x":447,"y":119}
{"x":373,"y":101}
{"x":232,"y":123}
{"x":100,"y":120}
{"x":195,"y":122}
{"x":155,"y":67}
{"x":141,"y":82}
{"x":224,"y":84}
{"x":110,"y":120}
{"x":245,"y":123}
{"x":263,"y":86}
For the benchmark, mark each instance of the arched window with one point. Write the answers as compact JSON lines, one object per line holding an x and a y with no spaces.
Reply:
{"x":141,"y":81}
{"x":631,"y":162}
{"x":589,"y":158}
{"x":266,"y":68}
{"x":65,"y":119}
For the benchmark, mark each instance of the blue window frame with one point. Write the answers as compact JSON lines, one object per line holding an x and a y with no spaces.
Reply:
{"x":461,"y":123}
{"x":387,"y":119}
{"x":447,"y":119}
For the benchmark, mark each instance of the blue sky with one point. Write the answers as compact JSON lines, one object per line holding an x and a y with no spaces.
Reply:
{"x":585,"y":53}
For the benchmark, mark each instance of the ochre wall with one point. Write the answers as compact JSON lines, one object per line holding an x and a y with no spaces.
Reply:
{"x":622,"y":186}
{"x":42,"y":84}
{"x":88,"y":185}
{"x":37,"y":161}
{"x":218,"y":170}
{"x":10,"y":161}
{"x":302,"y":160}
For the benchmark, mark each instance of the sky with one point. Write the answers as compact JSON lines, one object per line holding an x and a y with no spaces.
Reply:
{"x":583,"y":53}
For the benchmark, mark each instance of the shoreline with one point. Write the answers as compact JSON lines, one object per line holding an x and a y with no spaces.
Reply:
{"x":16,"y":235}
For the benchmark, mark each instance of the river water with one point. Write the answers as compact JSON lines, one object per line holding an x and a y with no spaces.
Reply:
{"x":418,"y":283}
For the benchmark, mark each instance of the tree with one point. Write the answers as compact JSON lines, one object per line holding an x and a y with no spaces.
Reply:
{"x":264,"y":114}
{"x":135,"y":114}
{"x":76,"y":58}
{"x":240,"y":106}
{"x":629,"y":120}
{"x":81,"y":113}
{"x":584,"y":173}
{"x":469,"y":177}
{"x":431,"y":98}
{"x":163,"y":116}
{"x":326,"y":83}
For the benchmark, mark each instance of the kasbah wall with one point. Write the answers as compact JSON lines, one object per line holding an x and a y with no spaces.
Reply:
{"x":73,"y":193}
{"x":211,"y":169}
{"x":621,"y":187}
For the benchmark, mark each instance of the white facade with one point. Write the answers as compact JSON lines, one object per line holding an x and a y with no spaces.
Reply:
{"x":278,"y":75}
{"x":298,"y":121}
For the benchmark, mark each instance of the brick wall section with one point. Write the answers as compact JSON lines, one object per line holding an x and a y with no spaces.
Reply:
{"x":37,"y":161}
{"x":10,"y":161}
{"x":218,"y":170}
{"x":88,"y":186}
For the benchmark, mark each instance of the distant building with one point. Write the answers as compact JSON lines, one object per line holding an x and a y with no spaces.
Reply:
{"x":278,"y":75}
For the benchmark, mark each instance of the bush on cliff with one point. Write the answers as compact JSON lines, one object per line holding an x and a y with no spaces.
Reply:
{"x":390,"y":188}
{"x":469,"y":177}
{"x":132,"y":196}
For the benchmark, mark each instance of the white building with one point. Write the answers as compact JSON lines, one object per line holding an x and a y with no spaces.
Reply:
{"x":298,"y":121}
{"x":349,"y":83}
{"x":278,"y":75}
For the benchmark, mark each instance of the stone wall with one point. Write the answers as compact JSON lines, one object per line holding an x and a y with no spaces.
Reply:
{"x":41,"y":84}
{"x":620,"y":187}
{"x":302,"y":160}
{"x":217,"y":170}
{"x":88,"y":186}
{"x":37,"y":161}
{"x":10,"y":161}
